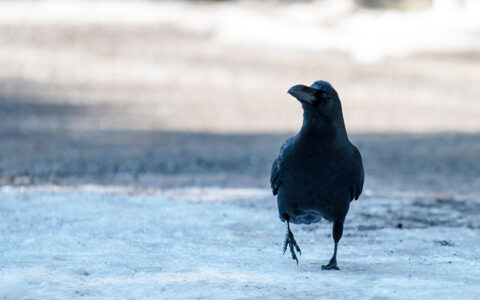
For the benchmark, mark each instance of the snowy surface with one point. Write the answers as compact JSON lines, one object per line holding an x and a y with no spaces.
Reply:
{"x":212,"y":243}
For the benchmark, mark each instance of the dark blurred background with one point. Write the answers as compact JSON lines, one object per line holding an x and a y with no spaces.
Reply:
{"x":189,"y":93}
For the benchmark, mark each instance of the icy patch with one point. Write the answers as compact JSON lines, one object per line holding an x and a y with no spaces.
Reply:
{"x":12,"y":287}
{"x":97,"y":244}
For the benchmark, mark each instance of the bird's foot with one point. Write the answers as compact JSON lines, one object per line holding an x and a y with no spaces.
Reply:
{"x":292,"y":244}
{"x":332,"y":265}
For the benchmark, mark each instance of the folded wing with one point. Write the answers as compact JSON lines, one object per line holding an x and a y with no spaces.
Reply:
{"x":276,"y":173}
{"x":358,"y":175}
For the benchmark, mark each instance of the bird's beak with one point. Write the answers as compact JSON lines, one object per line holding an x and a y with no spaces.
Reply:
{"x":304,"y":93}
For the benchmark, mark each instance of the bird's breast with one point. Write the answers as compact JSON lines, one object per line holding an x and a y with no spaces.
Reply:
{"x":311,"y":193}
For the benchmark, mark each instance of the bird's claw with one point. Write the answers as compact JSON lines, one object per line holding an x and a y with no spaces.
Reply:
{"x":292,"y":244}
{"x":332,"y":265}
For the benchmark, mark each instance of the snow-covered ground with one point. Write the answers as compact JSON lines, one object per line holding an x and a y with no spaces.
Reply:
{"x":120,"y":243}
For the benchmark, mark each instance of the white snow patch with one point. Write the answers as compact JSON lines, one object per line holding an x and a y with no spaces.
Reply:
{"x":214,"y":194}
{"x":367,"y":36}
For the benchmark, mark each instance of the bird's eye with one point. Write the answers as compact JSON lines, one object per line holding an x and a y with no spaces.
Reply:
{"x":324,"y":96}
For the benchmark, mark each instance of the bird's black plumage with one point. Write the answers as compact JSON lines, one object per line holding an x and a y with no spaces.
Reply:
{"x":318,"y":171}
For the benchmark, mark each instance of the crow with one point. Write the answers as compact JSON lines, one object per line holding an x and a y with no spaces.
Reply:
{"x":318,"y":171}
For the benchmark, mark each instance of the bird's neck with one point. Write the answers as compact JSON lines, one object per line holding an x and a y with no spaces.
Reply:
{"x":323,"y":130}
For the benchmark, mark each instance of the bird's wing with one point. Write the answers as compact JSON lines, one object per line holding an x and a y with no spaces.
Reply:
{"x":275,"y":180}
{"x":359,"y":175}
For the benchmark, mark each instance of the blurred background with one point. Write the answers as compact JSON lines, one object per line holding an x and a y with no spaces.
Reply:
{"x":193,"y":93}
{"x":137,"y":137}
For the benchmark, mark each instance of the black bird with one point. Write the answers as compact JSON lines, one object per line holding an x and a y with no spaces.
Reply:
{"x":318,"y":171}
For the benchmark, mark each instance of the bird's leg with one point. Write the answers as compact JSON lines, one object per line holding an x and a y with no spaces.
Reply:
{"x":290,"y":241}
{"x":337,"y":234}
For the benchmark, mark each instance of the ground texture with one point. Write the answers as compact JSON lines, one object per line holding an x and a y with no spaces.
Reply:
{"x":227,"y":244}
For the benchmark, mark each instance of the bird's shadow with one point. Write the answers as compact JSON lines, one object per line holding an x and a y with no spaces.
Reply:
{"x":346,"y":267}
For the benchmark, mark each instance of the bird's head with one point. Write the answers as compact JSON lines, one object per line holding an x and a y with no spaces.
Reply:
{"x":320,"y":102}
